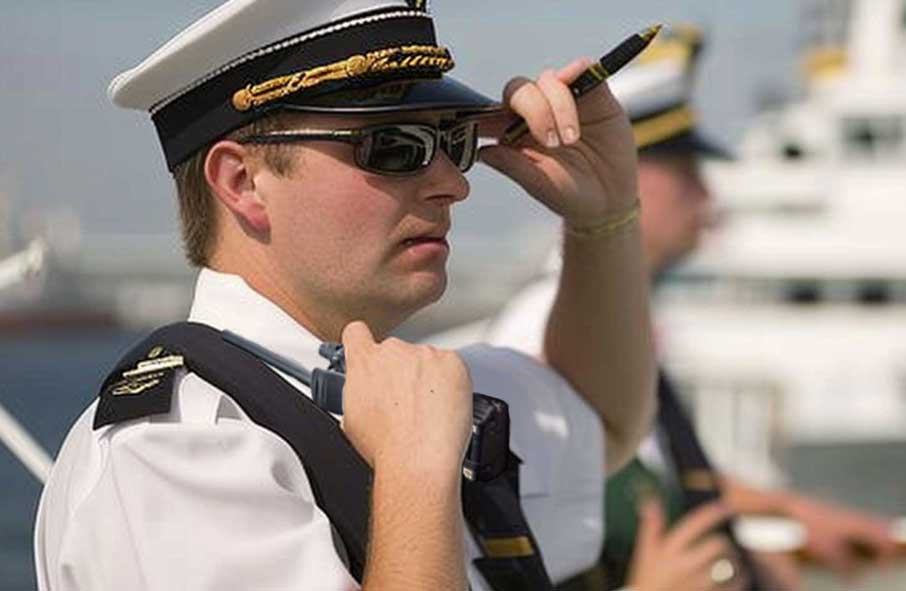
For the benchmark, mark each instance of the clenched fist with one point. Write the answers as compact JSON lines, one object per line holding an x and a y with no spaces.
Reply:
{"x":406,"y":403}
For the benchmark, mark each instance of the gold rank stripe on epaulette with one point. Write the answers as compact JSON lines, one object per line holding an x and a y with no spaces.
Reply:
{"x":701,"y":481}
{"x":153,"y":365}
{"x":146,"y":375}
{"x":392,"y":59}
{"x":663,"y":127}
{"x":130,"y":387}
{"x":514,"y":547}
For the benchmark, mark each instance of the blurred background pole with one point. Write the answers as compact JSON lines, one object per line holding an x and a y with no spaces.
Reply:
{"x":14,"y":270}
{"x":23,"y":265}
{"x":23,"y":446}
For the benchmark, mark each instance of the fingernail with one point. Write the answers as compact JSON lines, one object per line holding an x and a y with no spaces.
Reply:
{"x":570,"y":135}
{"x":552,"y":140}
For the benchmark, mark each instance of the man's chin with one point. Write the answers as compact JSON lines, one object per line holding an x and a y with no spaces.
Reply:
{"x":428,"y":289}
{"x":414,"y":299}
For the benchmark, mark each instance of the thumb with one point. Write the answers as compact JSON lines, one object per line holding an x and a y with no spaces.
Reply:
{"x":652,"y":524}
{"x":356,"y":338}
{"x":519,"y":164}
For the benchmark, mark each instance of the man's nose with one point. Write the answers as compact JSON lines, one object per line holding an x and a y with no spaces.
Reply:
{"x":444,"y":181}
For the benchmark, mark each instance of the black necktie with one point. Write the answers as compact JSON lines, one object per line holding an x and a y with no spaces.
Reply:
{"x":697,"y":478}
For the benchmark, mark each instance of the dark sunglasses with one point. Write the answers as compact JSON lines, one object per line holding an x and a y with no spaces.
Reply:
{"x":392,"y":149}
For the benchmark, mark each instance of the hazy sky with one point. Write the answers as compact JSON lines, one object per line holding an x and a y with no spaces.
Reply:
{"x":66,"y":145}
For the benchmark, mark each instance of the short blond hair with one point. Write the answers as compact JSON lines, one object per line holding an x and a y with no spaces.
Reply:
{"x":197,"y":206}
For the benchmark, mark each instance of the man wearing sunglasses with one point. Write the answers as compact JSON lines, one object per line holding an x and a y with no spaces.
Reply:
{"x":318,"y":148}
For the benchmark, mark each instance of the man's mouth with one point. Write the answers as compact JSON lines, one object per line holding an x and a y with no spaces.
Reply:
{"x":425,"y":240}
{"x":429,"y":235}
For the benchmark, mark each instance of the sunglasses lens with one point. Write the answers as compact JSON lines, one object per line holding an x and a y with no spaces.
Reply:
{"x":462,"y":145}
{"x":397,"y":150}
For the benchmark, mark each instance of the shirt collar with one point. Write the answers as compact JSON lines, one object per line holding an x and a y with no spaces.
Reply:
{"x":226,"y":302}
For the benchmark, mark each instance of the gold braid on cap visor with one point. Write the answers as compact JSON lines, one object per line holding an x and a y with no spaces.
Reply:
{"x":392,"y":59}
{"x":663,"y":127}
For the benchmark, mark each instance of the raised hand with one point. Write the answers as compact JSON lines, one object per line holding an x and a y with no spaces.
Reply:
{"x":580,"y":157}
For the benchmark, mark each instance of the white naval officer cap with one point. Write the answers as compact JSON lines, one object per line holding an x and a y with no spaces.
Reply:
{"x":248,"y":58}
{"x":656,"y":92}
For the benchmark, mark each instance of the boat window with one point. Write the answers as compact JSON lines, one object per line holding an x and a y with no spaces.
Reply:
{"x":684,"y":288}
{"x":793,"y":151}
{"x":875,"y":293}
{"x":873,"y":137}
{"x":803,"y":292}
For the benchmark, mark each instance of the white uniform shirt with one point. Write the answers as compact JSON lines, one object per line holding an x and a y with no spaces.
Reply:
{"x":203,"y":499}
{"x":521,"y":325}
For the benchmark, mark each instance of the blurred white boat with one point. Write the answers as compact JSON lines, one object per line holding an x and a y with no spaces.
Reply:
{"x":789,"y":326}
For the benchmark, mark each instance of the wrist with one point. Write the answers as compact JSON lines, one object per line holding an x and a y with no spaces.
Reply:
{"x":417,"y":529}
{"x":790,"y":505}
{"x":608,"y":225}
{"x":779,"y":504}
{"x":438,"y":470}
{"x":406,"y":492}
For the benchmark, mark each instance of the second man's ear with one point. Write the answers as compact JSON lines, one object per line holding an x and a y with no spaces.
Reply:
{"x":229,"y":170}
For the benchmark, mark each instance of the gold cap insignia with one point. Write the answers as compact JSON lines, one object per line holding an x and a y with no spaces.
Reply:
{"x":414,"y":58}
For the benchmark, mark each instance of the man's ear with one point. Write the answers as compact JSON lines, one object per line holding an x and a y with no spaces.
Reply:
{"x":230,"y":172}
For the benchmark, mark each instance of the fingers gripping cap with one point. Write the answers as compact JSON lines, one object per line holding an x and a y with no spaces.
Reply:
{"x":248,"y":58}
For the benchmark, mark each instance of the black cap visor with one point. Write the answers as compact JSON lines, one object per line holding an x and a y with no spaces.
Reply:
{"x":406,"y":95}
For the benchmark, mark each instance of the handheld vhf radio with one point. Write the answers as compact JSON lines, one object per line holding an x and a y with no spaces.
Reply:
{"x":488,"y":450}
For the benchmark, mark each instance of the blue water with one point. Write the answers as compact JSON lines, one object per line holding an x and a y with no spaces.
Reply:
{"x":45,"y":382}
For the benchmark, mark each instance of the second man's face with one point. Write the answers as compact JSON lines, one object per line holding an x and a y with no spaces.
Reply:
{"x":676,"y":207}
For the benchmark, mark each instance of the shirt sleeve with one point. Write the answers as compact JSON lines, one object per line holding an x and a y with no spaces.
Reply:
{"x":202,"y":505}
{"x":561,"y":442}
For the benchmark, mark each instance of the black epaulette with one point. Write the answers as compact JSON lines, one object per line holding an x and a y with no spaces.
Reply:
{"x":141,"y":385}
